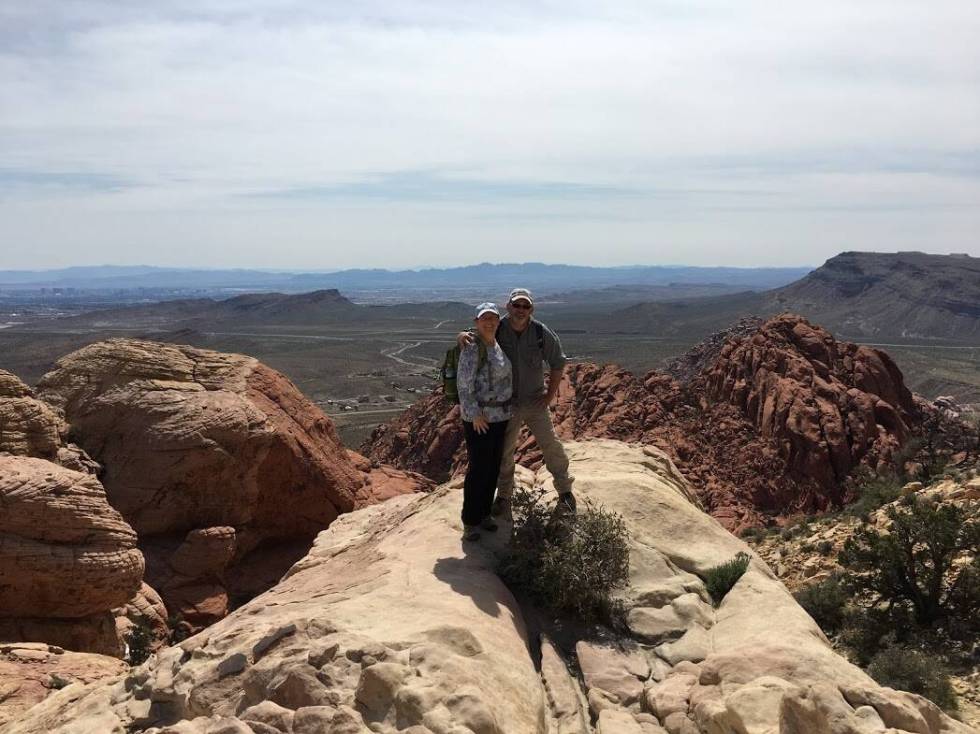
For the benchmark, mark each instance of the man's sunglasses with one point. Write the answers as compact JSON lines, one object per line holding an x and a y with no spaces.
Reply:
{"x":523,"y":305}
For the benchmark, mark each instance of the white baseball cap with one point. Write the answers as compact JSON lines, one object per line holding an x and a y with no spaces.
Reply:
{"x":521,"y":293}
{"x":487,"y":308}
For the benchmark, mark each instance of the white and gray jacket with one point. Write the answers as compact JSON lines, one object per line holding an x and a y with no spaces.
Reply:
{"x":486,"y":390}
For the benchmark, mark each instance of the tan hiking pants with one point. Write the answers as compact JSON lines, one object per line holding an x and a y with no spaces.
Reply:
{"x":538,"y":421}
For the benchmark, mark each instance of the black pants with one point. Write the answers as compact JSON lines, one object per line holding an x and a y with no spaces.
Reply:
{"x":483,"y":450}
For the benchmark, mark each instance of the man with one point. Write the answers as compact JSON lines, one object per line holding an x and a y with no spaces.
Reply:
{"x":528,"y":344}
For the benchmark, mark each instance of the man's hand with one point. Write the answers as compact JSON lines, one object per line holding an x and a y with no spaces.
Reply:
{"x":480,"y":424}
{"x":464,"y":339}
{"x":545,"y":400}
{"x":554,"y":381}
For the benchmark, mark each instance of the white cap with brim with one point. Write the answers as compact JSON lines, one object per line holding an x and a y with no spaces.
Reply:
{"x":487,"y":308}
{"x":521,"y":294}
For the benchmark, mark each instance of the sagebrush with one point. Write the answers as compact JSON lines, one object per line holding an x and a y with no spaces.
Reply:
{"x":569,"y":564}
{"x":825,"y":601}
{"x":719,"y":580}
{"x":913,"y":671}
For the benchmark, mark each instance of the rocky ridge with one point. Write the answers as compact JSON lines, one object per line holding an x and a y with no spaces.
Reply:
{"x":324,"y":652}
{"x":773,"y":423}
{"x":218,"y":462}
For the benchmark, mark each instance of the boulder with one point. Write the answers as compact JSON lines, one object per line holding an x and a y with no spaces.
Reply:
{"x":214,"y":459}
{"x":28,"y":427}
{"x":66,"y":557}
{"x":30,"y":671}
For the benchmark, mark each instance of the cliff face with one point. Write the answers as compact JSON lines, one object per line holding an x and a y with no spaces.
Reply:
{"x":904,"y":294}
{"x":771,"y":421}
{"x":390,"y":624}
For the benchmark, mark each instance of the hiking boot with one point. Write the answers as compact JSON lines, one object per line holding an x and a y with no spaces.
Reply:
{"x":501,"y":507}
{"x":488,"y":524}
{"x":471,"y":532}
{"x":566,"y":504}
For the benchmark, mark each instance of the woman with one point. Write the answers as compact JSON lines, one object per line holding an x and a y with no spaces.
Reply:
{"x":484,"y":380}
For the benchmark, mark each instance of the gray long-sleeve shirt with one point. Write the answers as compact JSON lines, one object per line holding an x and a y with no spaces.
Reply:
{"x":528,"y":359}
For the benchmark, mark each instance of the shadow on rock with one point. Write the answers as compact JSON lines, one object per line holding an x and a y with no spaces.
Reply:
{"x":459,"y":574}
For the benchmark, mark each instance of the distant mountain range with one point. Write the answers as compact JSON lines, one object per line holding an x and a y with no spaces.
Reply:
{"x":485,"y":275}
{"x":265,"y":309}
{"x":856,"y":295}
{"x":906,"y":296}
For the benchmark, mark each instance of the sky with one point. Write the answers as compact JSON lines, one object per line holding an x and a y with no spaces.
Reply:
{"x":321,"y":135}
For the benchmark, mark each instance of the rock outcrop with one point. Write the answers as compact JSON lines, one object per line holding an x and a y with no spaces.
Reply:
{"x":29,"y":671}
{"x":828,"y":405}
{"x":66,"y":557}
{"x":773,"y":423}
{"x":212,"y":458}
{"x":28,"y":427}
{"x":392,"y":624}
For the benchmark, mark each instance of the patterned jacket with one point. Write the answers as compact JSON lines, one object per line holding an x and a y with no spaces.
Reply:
{"x":486,"y":390}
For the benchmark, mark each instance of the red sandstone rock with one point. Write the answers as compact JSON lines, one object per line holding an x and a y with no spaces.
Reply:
{"x":28,"y":427}
{"x":66,"y":557}
{"x":830,"y":406}
{"x":211,"y":457}
{"x":778,"y":418}
{"x":145,"y":608}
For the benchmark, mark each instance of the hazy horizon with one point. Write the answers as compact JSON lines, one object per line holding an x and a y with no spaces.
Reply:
{"x":323,"y":136}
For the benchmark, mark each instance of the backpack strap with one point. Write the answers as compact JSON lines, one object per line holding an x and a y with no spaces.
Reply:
{"x":539,"y":329}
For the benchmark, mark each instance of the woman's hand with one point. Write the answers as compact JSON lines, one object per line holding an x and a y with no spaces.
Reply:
{"x":480,"y":424}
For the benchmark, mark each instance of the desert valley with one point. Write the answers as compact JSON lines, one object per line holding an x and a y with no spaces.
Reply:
{"x":235,"y":514}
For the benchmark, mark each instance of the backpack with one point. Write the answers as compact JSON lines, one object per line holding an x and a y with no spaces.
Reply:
{"x":449,"y":366}
{"x":451,"y":363}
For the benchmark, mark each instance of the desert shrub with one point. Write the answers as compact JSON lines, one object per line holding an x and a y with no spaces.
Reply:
{"x":139,"y":641}
{"x":913,"y":562}
{"x":719,"y":580}
{"x":913,"y":671}
{"x":825,"y":601}
{"x":752,"y":533}
{"x":825,"y":547}
{"x":570,"y":564}
{"x":807,"y":547}
{"x":874,"y":492}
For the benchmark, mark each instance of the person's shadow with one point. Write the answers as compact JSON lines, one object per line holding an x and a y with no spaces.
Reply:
{"x":472,"y":576}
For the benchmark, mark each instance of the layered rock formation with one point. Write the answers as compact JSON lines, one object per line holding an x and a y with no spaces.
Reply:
{"x":29,"y":671}
{"x":29,"y":427}
{"x":391,"y":624}
{"x":212,"y":458}
{"x":828,"y":405}
{"x":774,"y":422}
{"x":66,"y":557}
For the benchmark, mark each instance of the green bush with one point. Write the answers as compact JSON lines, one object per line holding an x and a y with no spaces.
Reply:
{"x":825,"y":547}
{"x":912,"y":564}
{"x":570,"y":564}
{"x":719,"y":580}
{"x":139,"y":641}
{"x":825,"y":601}
{"x":875,"y":492}
{"x":913,"y":671}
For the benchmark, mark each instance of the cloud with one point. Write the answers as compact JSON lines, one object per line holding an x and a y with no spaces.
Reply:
{"x":487,"y":111}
